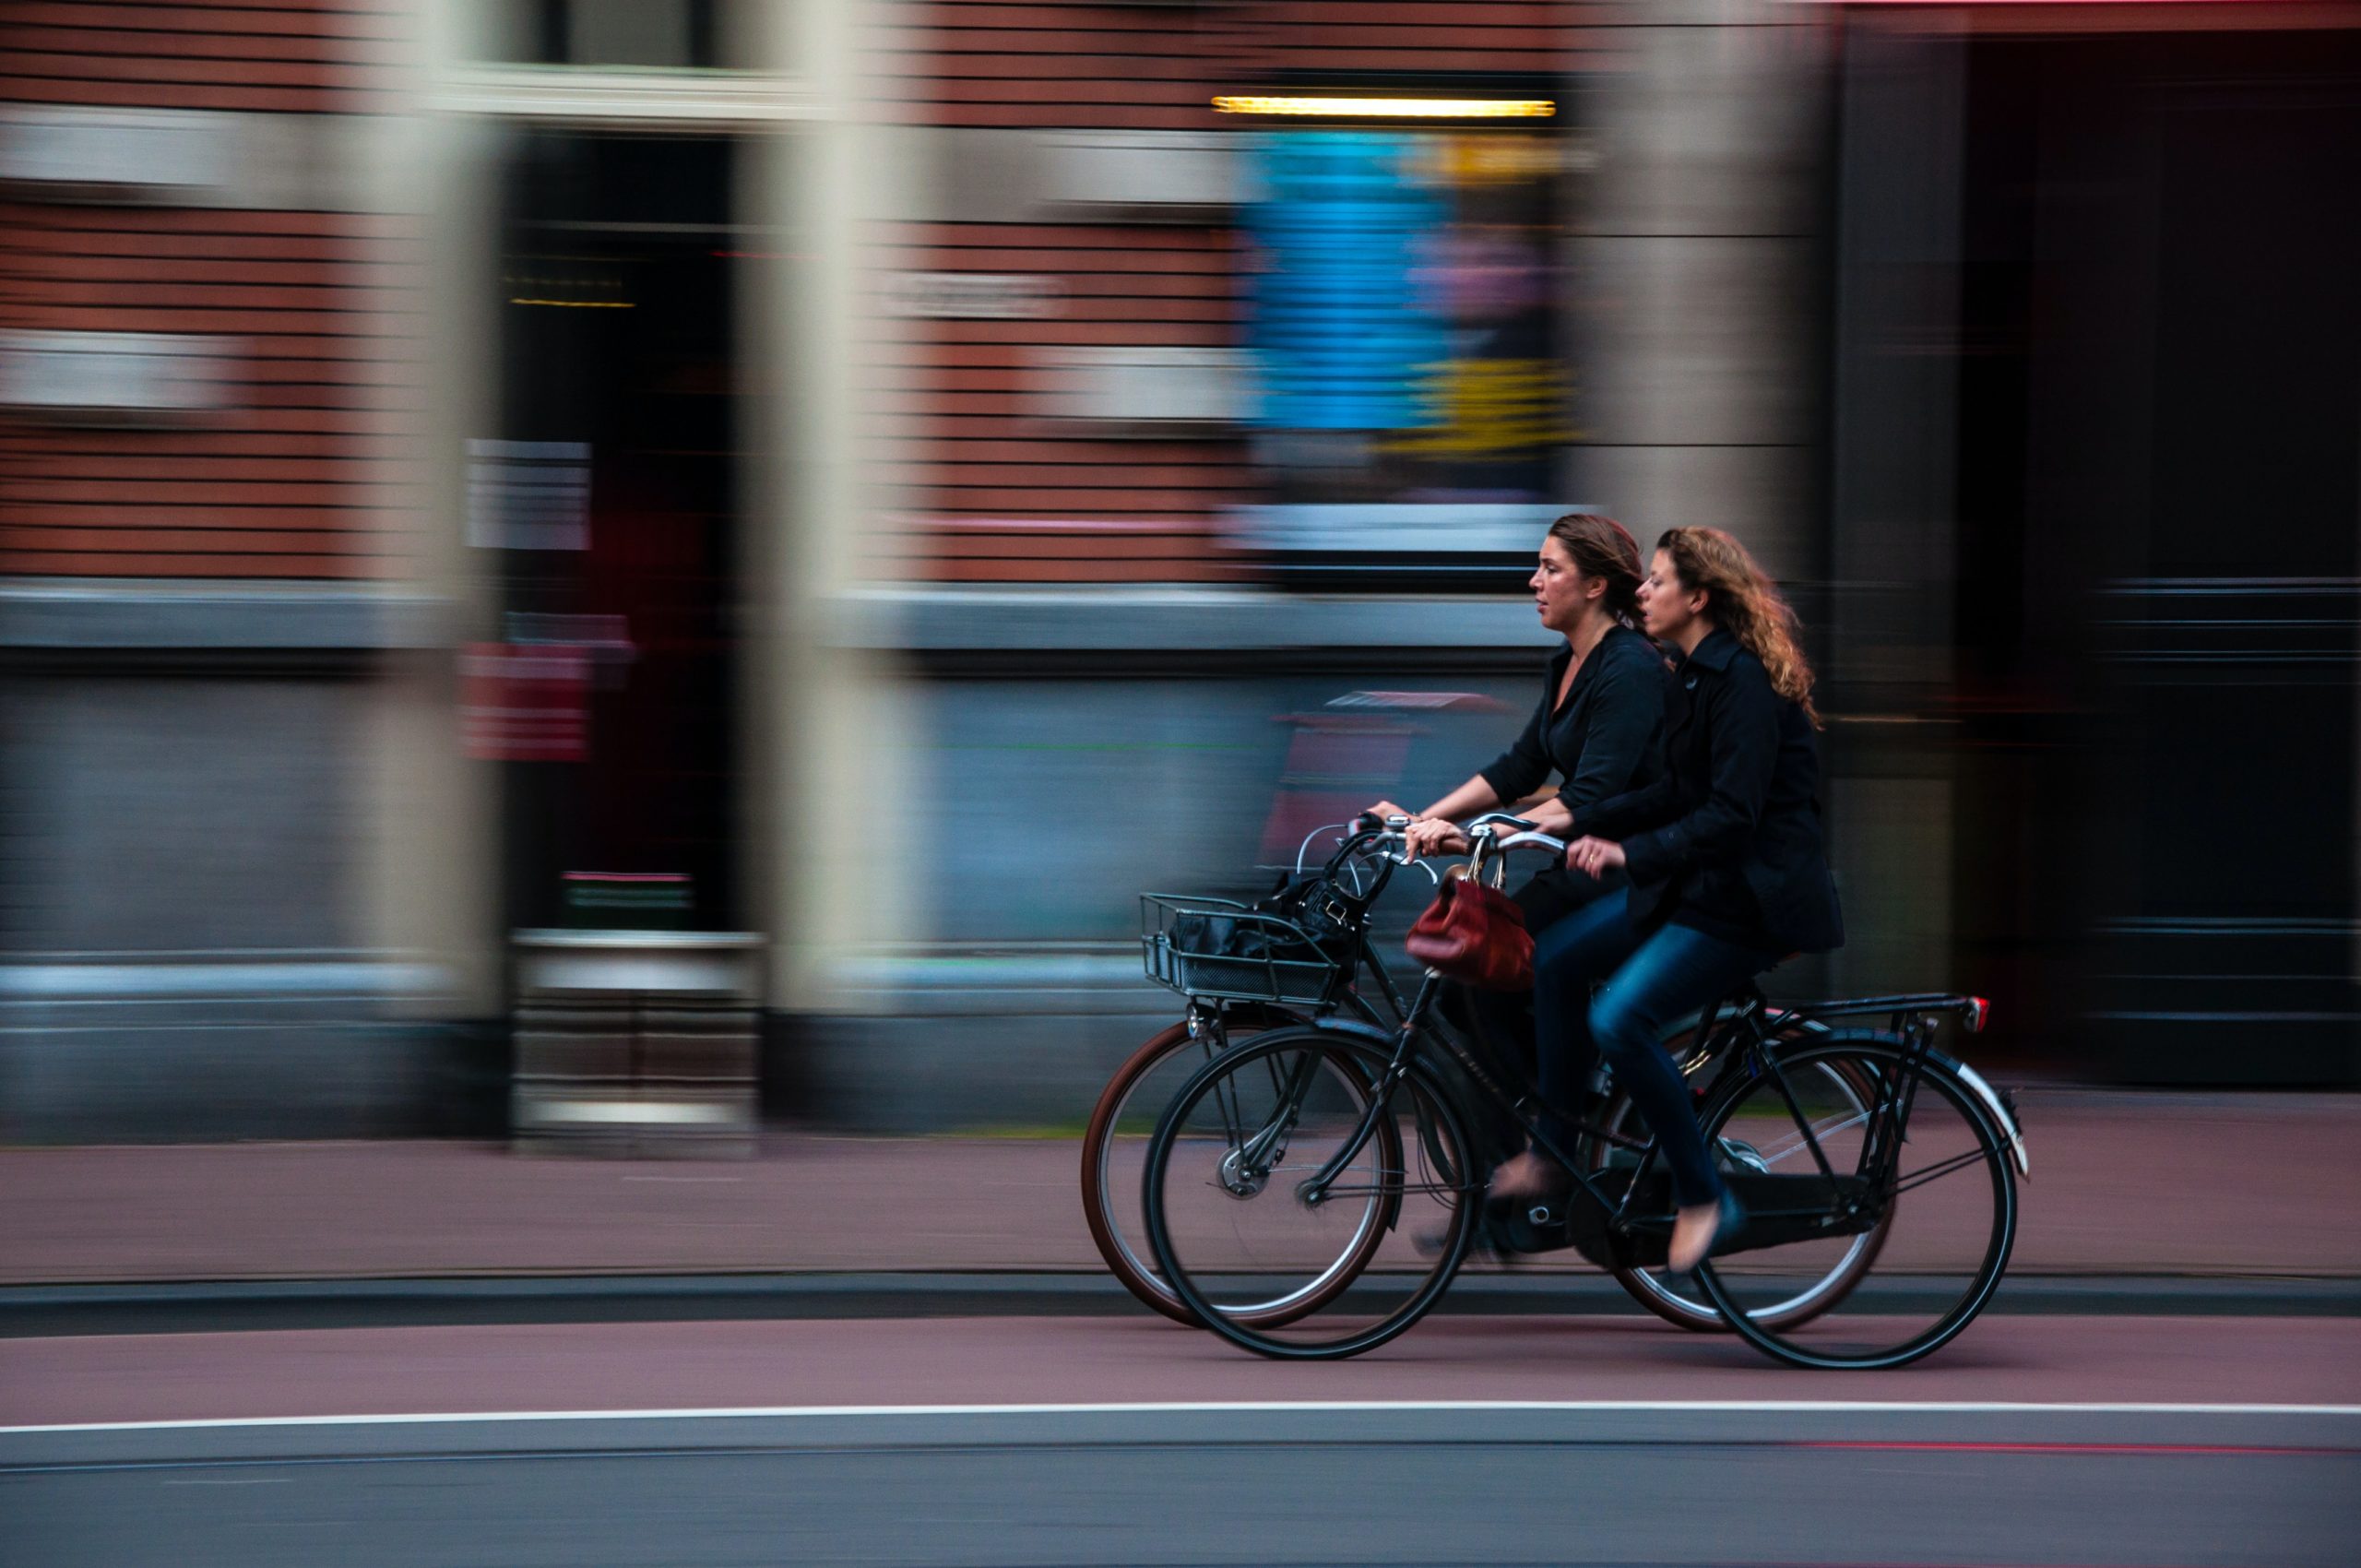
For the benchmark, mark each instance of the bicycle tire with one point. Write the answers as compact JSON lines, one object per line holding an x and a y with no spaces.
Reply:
{"x":1991,"y":1153}
{"x":1098,"y":1198}
{"x":1363,"y":1056}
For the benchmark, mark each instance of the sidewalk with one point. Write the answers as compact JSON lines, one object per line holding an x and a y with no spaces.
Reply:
{"x":2123,"y":1184}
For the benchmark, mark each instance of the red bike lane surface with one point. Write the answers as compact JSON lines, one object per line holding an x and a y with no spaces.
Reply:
{"x":2122,"y":1183}
{"x":1021,"y":1362}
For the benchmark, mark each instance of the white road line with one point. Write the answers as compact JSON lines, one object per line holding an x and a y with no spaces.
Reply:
{"x":1778,"y":1407}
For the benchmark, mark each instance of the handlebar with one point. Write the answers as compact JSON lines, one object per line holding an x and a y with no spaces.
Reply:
{"x":1485,"y":839}
{"x":1484,"y":833}
{"x":1369,"y":838}
{"x":1491,"y":819}
{"x":1532,"y":839}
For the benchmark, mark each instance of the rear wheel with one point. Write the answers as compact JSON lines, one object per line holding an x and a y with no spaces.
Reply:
{"x":1237,"y":1211}
{"x":1860,"y":1142}
{"x":1616,"y":1161}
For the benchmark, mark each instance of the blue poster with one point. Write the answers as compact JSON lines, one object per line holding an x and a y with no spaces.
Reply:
{"x":1403,"y":315}
{"x":1342,"y":336}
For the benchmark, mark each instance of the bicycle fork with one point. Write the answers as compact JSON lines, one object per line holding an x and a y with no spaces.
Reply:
{"x":1314,"y":1191}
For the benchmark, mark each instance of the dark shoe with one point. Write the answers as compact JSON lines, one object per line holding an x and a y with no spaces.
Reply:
{"x":1492,"y":1239}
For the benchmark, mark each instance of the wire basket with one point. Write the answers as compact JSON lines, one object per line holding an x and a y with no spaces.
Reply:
{"x":1223,"y":950}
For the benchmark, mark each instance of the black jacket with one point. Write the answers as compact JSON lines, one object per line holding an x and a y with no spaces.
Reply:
{"x":1728,"y":839}
{"x":1605,"y":739}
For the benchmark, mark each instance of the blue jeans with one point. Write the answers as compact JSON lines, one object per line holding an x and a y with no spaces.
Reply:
{"x":1649,"y":979}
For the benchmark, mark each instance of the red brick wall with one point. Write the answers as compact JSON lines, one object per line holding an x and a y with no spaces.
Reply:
{"x":297,"y":55}
{"x":1534,"y":38}
{"x":279,"y":483}
{"x":1000,"y":492}
{"x":1068,"y":63}
{"x":1008,"y":495}
{"x":983,"y":62}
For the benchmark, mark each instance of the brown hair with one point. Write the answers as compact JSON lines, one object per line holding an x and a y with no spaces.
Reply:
{"x":1604,"y":549}
{"x":1746,"y":602}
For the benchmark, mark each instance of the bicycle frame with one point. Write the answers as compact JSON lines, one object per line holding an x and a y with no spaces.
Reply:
{"x":1740,"y":1040}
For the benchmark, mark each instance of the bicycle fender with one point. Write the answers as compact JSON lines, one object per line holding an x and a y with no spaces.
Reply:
{"x":1353,"y":1028}
{"x":2002,"y":1115}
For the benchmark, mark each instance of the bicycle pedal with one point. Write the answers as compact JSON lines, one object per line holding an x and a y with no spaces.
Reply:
{"x":1536,"y":1229}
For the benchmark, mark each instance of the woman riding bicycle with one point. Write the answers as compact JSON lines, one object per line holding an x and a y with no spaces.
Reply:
{"x":1600,"y":725}
{"x":1722,"y":861}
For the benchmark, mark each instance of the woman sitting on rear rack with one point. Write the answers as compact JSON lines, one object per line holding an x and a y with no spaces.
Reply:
{"x":1722,"y":860}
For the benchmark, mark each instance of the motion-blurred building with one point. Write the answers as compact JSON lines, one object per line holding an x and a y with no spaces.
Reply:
{"x":581,"y":561}
{"x":2093,"y":505}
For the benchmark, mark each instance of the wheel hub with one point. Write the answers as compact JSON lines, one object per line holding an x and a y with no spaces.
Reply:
{"x":1240,"y":1180}
{"x":1741,"y":1155}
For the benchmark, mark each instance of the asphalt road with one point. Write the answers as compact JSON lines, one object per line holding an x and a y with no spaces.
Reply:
{"x":1241,"y":1485}
{"x":2032,"y":1442}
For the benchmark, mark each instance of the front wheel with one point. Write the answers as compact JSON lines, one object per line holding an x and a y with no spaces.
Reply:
{"x":1858,"y":1137}
{"x":1270,"y":1180}
{"x":1114,"y":1152}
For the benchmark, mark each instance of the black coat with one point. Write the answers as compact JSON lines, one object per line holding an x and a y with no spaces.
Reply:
{"x":1728,"y":839}
{"x":1605,"y":739}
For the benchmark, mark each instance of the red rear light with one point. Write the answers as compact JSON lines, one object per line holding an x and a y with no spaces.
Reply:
{"x":1979,"y":1009}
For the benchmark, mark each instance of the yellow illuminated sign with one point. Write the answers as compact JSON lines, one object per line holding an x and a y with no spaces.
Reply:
{"x":1489,"y":406}
{"x":1390,"y":108}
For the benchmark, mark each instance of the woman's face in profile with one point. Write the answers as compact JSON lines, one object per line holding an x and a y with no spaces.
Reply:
{"x":1559,"y":586}
{"x":1664,"y":600}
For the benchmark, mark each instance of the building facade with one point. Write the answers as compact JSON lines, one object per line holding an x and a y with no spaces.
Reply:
{"x":536,"y":528}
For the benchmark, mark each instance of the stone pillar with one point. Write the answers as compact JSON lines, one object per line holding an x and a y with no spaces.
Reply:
{"x":1732,"y":251}
{"x":827,"y":867}
{"x":1697,"y":272}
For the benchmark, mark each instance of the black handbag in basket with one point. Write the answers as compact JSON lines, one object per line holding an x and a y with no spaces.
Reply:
{"x":1319,"y":926}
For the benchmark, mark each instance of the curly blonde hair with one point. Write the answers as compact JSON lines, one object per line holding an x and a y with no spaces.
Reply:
{"x":1746,"y":600}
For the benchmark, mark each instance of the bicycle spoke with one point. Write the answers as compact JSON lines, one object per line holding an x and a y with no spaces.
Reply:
{"x":1799,"y":1282}
{"x":1921,"y":1177}
{"x":1331,"y":1273}
{"x":1822,"y":1131}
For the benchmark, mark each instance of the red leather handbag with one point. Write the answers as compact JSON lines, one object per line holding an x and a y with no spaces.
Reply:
{"x":1475,"y":935}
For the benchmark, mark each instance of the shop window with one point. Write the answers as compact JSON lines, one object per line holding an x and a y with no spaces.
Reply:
{"x":1411,"y":383}
{"x":615,"y":34}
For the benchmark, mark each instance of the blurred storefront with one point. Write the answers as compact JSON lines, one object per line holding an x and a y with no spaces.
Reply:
{"x":213,"y":257}
{"x":412,"y":412}
{"x":589,"y":553}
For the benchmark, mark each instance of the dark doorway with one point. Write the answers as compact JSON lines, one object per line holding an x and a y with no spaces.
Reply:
{"x":610,"y":501}
{"x":2159,"y":504}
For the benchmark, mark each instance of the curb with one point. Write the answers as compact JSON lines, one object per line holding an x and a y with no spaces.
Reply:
{"x":49,"y":1311}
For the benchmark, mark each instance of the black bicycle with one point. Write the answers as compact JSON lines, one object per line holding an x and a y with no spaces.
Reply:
{"x":1312,"y":1144}
{"x":1301,"y":954}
